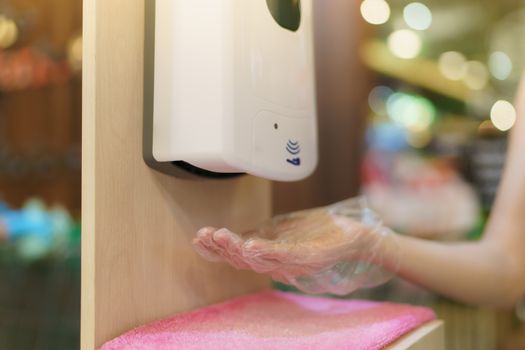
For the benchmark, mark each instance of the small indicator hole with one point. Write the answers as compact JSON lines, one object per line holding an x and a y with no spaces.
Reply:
{"x":276,"y":126}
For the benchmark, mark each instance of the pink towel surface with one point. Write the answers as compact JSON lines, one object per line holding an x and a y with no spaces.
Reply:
{"x":278,"y":320}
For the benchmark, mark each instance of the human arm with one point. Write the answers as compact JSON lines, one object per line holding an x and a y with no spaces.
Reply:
{"x":489,"y":272}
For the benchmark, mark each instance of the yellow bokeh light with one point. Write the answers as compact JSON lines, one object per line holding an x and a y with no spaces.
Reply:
{"x":75,"y":53}
{"x":452,"y":65}
{"x":486,"y":126}
{"x":375,"y":11}
{"x":405,"y":43}
{"x":8,"y":32}
{"x":419,"y":139}
{"x":476,"y":75}
{"x":503,"y":115}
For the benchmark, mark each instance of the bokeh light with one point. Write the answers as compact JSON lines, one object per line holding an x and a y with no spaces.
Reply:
{"x":452,"y":65}
{"x":8,"y":32}
{"x":415,"y":113}
{"x":75,"y":53}
{"x":486,"y":126}
{"x":476,"y":75}
{"x":405,"y":44}
{"x":419,"y":139}
{"x":377,"y":99}
{"x":500,"y":65}
{"x":503,"y":115}
{"x":375,"y":11}
{"x":417,"y":16}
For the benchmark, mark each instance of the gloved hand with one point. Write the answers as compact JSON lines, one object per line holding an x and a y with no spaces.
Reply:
{"x":335,"y":249}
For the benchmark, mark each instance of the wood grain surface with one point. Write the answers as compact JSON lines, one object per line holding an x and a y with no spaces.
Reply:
{"x":137,"y":262}
{"x":430,"y":336}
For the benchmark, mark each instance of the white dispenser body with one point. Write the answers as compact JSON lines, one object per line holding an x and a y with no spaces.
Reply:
{"x":234,"y":91}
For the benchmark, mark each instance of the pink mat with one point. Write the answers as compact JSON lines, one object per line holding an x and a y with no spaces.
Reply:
{"x":278,"y":320}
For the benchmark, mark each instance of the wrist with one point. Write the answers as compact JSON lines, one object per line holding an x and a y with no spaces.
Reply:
{"x":387,"y":252}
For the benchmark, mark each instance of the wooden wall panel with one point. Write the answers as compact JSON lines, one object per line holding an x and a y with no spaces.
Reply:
{"x":137,"y":263}
{"x":343,"y":84}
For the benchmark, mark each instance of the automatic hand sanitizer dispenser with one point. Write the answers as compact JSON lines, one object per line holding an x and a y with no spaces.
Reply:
{"x":230,"y":88}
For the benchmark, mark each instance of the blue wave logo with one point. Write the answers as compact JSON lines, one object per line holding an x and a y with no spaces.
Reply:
{"x":293,"y":147}
{"x":295,"y":161}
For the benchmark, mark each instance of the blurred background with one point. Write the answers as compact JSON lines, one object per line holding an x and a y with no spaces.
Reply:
{"x":440,"y":109}
{"x":40,"y":136}
{"x":415,"y":108}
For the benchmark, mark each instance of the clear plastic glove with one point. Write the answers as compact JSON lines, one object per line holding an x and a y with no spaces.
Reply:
{"x":335,"y":249}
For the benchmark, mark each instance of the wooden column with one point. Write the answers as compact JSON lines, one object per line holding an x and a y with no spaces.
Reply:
{"x":137,"y":262}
